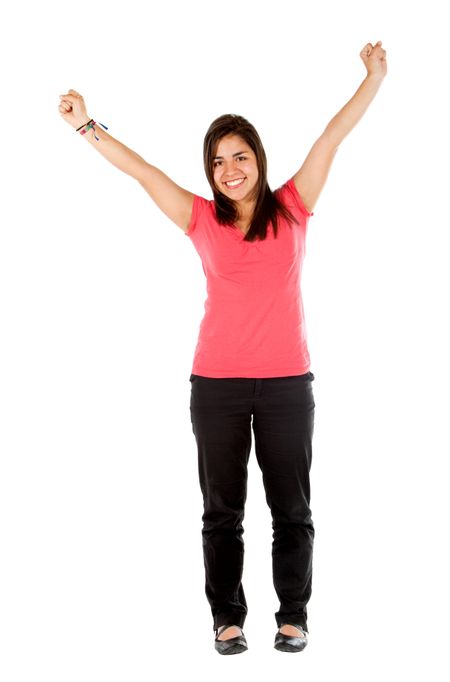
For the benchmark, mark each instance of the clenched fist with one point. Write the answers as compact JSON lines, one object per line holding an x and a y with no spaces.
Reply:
{"x":374,"y":59}
{"x":73,"y":109}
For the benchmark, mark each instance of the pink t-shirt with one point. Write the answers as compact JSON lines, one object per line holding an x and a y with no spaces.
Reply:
{"x":254,"y":323}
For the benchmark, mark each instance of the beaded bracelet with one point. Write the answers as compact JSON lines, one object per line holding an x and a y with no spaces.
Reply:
{"x":87,"y":126}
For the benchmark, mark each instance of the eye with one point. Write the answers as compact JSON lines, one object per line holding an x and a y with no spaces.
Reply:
{"x":216,"y":163}
{"x":242,"y":158}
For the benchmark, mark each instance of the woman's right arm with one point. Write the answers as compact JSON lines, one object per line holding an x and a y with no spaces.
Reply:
{"x":172,"y":199}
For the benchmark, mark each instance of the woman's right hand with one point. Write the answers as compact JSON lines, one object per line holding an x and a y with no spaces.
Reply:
{"x":73,"y":109}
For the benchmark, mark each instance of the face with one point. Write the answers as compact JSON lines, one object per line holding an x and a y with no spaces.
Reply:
{"x":235,"y":168}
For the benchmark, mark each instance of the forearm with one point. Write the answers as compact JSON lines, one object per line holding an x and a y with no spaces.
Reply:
{"x":118,"y":154}
{"x":346,"y":119}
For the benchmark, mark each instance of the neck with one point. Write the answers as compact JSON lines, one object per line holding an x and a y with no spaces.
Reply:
{"x":245,"y":210}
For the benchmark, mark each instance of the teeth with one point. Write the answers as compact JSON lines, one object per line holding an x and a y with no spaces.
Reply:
{"x":233,"y":183}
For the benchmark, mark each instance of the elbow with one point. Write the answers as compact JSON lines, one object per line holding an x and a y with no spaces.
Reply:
{"x":332,"y":137}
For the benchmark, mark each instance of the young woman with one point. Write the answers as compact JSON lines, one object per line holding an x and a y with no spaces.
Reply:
{"x":251,"y":358}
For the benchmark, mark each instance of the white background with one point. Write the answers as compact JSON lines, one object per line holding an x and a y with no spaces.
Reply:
{"x":101,"y":300}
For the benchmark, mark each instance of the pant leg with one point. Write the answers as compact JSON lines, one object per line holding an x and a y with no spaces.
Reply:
{"x":283,"y":425}
{"x":221,"y":423}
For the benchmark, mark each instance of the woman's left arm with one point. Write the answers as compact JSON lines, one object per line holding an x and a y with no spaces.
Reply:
{"x":311,"y":177}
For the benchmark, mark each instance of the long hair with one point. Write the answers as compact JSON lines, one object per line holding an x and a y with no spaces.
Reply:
{"x":267,"y":208}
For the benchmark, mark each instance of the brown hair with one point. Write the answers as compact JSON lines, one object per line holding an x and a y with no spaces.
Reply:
{"x":268,"y":207}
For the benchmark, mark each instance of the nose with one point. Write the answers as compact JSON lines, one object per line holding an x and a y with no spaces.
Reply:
{"x":229,"y":167}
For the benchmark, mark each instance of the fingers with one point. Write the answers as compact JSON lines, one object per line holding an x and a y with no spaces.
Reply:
{"x":380,"y":51}
{"x":72,"y":95}
{"x":65,"y":107}
{"x":369,"y":48}
{"x":70,"y":102}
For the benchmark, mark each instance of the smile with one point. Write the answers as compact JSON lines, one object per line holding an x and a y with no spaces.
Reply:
{"x":234,"y":183}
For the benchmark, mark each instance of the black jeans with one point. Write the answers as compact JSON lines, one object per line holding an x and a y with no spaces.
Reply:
{"x":283,"y":425}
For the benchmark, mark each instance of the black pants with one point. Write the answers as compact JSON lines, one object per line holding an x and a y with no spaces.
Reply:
{"x":283,"y":424}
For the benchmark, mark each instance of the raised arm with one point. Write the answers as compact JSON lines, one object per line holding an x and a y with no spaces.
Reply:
{"x":172,"y":199}
{"x":311,"y":177}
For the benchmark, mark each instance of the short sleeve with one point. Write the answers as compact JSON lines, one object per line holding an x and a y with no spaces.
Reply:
{"x":194,"y":215}
{"x":290,"y":186}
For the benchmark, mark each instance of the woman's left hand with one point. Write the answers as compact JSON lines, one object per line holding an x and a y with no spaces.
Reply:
{"x":374,"y":58}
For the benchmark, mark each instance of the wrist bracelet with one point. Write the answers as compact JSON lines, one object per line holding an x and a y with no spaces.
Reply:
{"x":87,"y":126}
{"x":84,"y":124}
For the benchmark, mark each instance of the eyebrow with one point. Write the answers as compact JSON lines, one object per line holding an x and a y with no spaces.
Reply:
{"x":237,"y":154}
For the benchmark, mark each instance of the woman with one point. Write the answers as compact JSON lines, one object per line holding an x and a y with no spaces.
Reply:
{"x":251,"y":358}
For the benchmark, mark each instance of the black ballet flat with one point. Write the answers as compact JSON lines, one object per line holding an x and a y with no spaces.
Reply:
{"x":291,"y":643}
{"x":235,"y":645}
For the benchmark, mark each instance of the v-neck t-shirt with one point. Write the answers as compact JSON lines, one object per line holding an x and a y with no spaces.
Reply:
{"x":254,"y":324}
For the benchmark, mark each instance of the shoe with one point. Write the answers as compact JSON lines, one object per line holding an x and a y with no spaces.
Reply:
{"x":234,"y":645}
{"x":289,"y":642}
